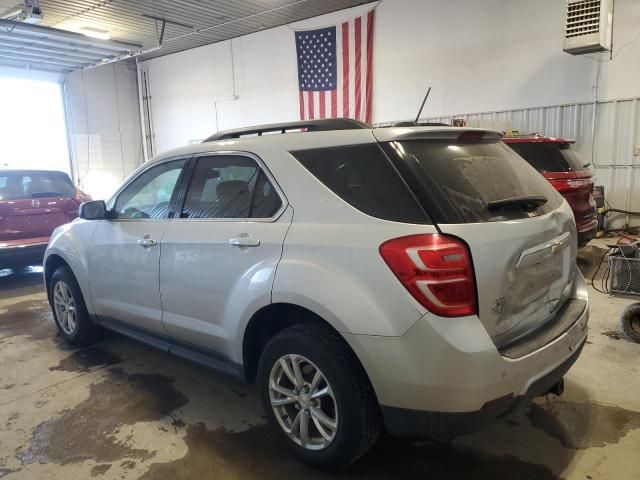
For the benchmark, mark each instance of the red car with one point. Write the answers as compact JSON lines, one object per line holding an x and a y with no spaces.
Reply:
{"x":32,"y":204}
{"x":558,"y":162}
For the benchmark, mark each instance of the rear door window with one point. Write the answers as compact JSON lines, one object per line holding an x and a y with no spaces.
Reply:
{"x":458,"y":182}
{"x":550,"y":157}
{"x":231,"y":186}
{"x":363,"y":176}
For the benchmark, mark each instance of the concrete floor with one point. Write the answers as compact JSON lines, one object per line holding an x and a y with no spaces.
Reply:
{"x":122,"y":410}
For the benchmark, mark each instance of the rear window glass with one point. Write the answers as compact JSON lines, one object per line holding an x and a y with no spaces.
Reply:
{"x":471,"y":182}
{"x":363,"y":177}
{"x":550,"y":157}
{"x":19,"y":185}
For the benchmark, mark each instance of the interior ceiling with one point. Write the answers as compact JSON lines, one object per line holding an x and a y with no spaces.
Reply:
{"x":196,"y":22}
{"x":37,"y":47}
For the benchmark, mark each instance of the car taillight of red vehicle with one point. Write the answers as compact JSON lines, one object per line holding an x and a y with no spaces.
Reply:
{"x":436,"y":269}
{"x":566,"y":182}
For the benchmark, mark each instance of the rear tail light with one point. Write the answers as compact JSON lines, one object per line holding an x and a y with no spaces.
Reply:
{"x":436,"y":269}
{"x":568,"y":184}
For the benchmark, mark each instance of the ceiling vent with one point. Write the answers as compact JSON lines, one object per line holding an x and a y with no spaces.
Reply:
{"x":589,"y":26}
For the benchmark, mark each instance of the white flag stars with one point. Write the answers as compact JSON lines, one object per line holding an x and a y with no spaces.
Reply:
{"x":316,"y":53}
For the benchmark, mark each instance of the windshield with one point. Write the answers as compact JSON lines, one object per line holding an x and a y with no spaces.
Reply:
{"x":24,"y":185}
{"x":483,"y":181}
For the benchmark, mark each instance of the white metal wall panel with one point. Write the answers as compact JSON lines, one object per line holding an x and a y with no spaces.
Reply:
{"x":103,"y":122}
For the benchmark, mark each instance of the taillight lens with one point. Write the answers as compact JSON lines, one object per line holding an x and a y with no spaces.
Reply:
{"x":436,"y":269}
{"x":566,"y":185}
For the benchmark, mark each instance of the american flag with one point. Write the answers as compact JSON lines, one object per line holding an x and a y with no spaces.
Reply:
{"x":335,"y":70}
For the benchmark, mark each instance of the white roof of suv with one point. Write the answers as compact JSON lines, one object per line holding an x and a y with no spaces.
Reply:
{"x":317,"y":133}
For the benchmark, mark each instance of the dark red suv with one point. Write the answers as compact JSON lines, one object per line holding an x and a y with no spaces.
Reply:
{"x":558,"y":162}
{"x":32,"y":204}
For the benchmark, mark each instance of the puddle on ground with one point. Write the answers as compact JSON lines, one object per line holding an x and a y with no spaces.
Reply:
{"x":85,"y":431}
{"x":21,"y":282}
{"x":100,"y":469}
{"x":584,"y":425}
{"x":128,"y":464}
{"x":84,"y":360}
{"x":32,"y":318}
{"x":257,"y":453}
{"x":615,"y":335}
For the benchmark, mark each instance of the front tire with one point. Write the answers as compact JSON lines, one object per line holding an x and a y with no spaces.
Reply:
{"x":69,"y":310}
{"x":317,"y":395}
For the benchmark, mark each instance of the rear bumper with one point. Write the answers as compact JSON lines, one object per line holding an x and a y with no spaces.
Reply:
{"x":21,"y":255}
{"x":587,"y":232}
{"x":446,"y":425}
{"x":446,"y":375}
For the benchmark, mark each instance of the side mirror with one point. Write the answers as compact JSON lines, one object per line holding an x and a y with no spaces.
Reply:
{"x":95,"y":210}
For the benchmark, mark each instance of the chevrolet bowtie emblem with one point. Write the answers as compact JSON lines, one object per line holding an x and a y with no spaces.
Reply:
{"x":35,"y":203}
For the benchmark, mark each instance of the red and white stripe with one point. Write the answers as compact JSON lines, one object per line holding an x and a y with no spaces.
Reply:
{"x":354,"y":57}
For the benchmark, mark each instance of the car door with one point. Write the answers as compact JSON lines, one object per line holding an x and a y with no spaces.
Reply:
{"x":219,"y":254}
{"x":125,"y":250}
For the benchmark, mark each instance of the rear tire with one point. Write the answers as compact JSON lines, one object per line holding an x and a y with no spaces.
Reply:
{"x":630,"y":321}
{"x":342,"y":424}
{"x":69,"y":310}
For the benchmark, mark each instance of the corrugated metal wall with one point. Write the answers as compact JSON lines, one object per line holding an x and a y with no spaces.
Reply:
{"x":612,"y":145}
{"x":103,"y":124}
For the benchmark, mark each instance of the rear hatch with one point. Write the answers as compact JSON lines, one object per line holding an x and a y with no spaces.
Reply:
{"x":561,"y":165}
{"x":33,"y":204}
{"x":520,"y":233}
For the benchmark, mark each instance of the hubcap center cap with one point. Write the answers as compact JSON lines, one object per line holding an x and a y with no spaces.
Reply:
{"x":305,"y":401}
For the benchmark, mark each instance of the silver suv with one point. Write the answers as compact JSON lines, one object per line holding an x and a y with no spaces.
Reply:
{"x":422,"y":278}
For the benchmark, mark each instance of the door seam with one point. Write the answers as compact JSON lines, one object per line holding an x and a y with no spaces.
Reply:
{"x":284,"y":239}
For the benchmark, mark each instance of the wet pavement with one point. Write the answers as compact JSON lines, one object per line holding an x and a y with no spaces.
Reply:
{"x":122,"y":410}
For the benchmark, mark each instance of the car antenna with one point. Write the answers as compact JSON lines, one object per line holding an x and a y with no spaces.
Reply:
{"x":422,"y":106}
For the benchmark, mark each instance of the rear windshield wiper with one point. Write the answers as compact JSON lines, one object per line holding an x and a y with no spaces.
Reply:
{"x":531,"y":201}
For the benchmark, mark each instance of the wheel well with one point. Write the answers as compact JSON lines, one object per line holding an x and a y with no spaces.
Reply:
{"x":267,"y":322}
{"x":53,"y":263}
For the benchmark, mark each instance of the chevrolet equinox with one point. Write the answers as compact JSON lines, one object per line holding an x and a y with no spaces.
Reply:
{"x":418,"y":279}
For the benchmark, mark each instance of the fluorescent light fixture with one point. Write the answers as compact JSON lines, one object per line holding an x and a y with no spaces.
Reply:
{"x":94,"y":33}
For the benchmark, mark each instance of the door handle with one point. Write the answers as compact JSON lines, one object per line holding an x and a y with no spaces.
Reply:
{"x":147,"y":242}
{"x":244,"y":240}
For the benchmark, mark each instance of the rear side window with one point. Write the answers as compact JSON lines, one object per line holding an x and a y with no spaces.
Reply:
{"x":460,"y":182}
{"x":17,"y":185}
{"x":363,"y":177}
{"x":550,"y":157}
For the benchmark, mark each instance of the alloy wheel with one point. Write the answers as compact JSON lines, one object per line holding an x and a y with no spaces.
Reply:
{"x":303,"y":402}
{"x":65,"y":307}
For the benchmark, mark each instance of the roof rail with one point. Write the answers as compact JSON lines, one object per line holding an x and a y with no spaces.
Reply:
{"x":304,"y":125}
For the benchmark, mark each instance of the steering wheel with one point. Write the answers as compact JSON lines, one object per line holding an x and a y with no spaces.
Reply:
{"x":134,"y":213}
